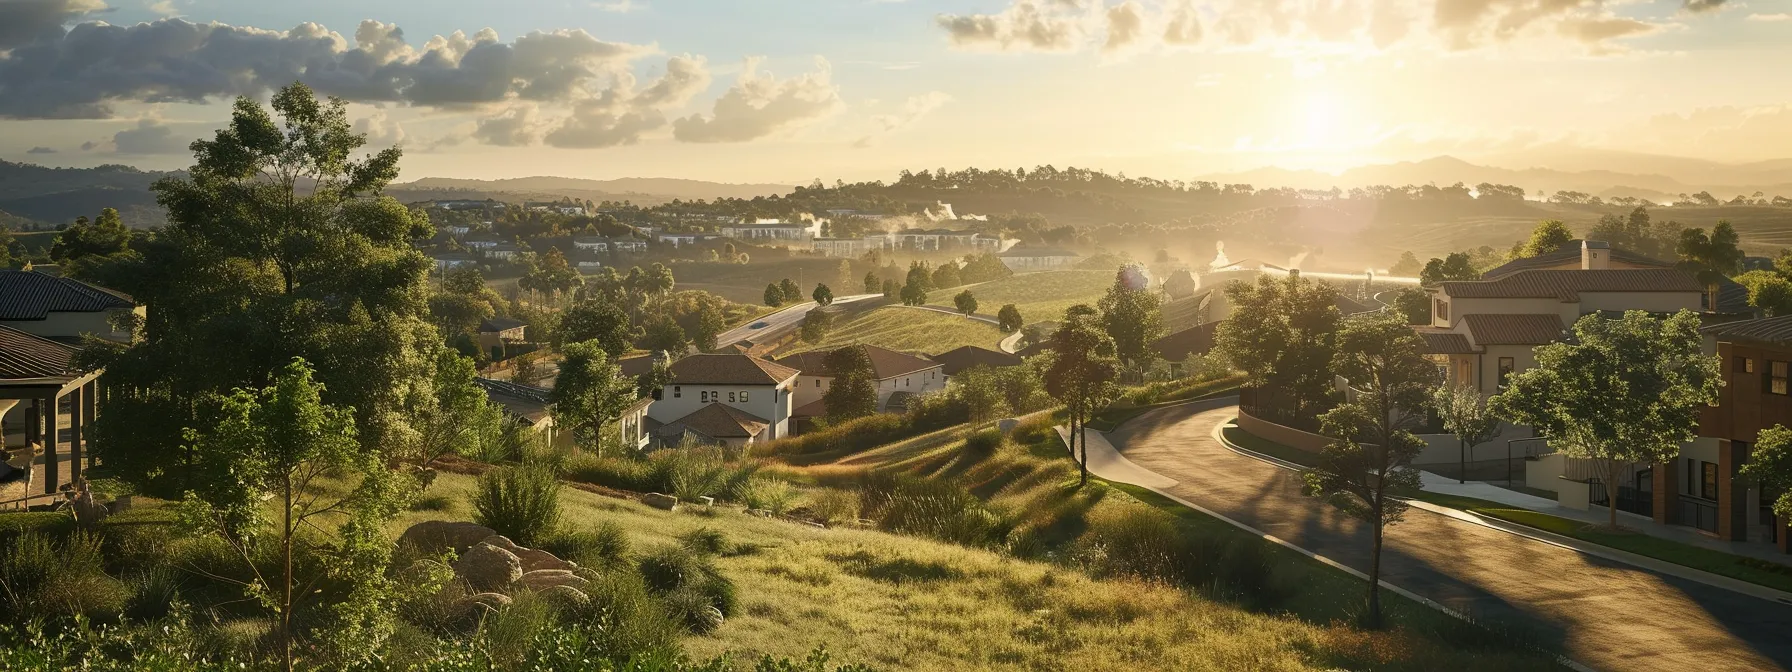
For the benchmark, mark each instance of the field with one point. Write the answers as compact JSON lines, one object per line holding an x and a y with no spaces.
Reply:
{"x":908,"y":329}
{"x":1764,"y":230}
{"x":1041,"y":297}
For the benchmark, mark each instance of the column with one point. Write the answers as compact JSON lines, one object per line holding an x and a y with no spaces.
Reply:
{"x":52,"y":470}
{"x":77,"y":419}
{"x":1667,"y":491}
{"x":91,"y":396}
{"x":1732,"y":499}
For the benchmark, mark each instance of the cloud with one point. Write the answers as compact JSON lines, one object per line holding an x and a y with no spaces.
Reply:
{"x":163,"y":7}
{"x":1782,"y":16}
{"x":1182,"y":26}
{"x":912,"y":111}
{"x":81,"y":73}
{"x":622,"y":115}
{"x":151,"y":136}
{"x":1698,"y":6}
{"x":89,"y":146}
{"x":759,"y":105}
{"x":27,"y":21}
{"x":1126,"y":24}
{"x":1026,"y":25}
{"x":40,"y":150}
{"x":379,"y":129}
{"x":616,"y":6}
{"x":516,"y":127}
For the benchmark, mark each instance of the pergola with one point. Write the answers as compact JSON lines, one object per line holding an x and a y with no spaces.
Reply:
{"x":36,"y":378}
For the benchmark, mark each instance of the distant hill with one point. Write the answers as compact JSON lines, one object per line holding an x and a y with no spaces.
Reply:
{"x":1643,"y":176}
{"x":639,"y":189}
{"x":59,"y":195}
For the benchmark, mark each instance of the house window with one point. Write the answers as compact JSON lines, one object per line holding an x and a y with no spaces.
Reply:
{"x":1507,"y":364}
{"x":1741,"y":364}
{"x":1708,"y":486}
{"x":743,"y":396}
{"x":1776,"y":379}
{"x":677,"y":391}
{"x":1442,"y":309}
{"x":1691,"y":468}
{"x":705,"y":394}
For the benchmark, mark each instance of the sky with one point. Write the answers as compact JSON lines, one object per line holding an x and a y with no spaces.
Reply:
{"x":786,"y":91}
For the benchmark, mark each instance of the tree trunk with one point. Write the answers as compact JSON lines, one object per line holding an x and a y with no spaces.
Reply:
{"x":1462,"y":457}
{"x":1611,"y":492}
{"x":1375,"y":572}
{"x":286,"y":585}
{"x":1082,"y":430}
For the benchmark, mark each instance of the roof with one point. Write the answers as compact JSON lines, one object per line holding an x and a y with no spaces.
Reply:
{"x":636,"y":366}
{"x":718,"y":421}
{"x":1772,"y":330}
{"x":813,"y":409}
{"x":971,"y":356}
{"x":768,"y":225}
{"x":493,"y":324}
{"x":525,"y":402}
{"x":1732,"y":297}
{"x":885,"y":363}
{"x":26,"y":356}
{"x":1566,"y":285}
{"x":29,"y":295}
{"x":1178,"y":346}
{"x":1349,"y":306}
{"x":729,"y":369}
{"x":1444,"y":342}
{"x":1514,"y":329}
{"x":1038,"y":252}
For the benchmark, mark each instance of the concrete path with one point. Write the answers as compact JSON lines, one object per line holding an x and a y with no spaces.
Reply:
{"x":1606,"y":614}
{"x":1108,"y":463}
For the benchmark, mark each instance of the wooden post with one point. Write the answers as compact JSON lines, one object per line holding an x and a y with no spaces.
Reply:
{"x":52,"y":470}
{"x":77,"y":418}
{"x":91,"y":396}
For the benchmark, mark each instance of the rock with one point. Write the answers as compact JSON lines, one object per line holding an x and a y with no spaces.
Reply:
{"x":706,"y":501}
{"x":501,"y":541}
{"x":660,"y":501}
{"x":535,"y":558}
{"x":492,"y":601}
{"x":486,"y":567}
{"x":565,"y":595}
{"x":1007,"y":425}
{"x":432,"y":537}
{"x":548,"y":578}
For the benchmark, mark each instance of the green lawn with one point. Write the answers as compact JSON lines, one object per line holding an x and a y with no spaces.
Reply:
{"x":1040,"y":297}
{"x":1760,"y":572}
{"x":1252,"y":442}
{"x":899,"y":328}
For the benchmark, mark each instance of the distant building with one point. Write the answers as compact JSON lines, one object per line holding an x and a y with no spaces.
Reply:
{"x":850,"y":248}
{"x":459,"y":204}
{"x":562,"y":208}
{"x":1038,"y":258}
{"x":968,"y":357}
{"x":485,"y":242}
{"x":590,"y":243}
{"x":628,"y":245}
{"x":678,"y":239}
{"x":943,"y":239}
{"x":505,"y":251}
{"x":456,"y":229}
{"x":453,"y":260}
{"x":497,"y":334}
{"x":767,"y":230}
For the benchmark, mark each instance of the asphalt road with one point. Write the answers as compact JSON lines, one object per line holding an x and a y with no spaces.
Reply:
{"x":1608,"y":615}
{"x":781,"y":321}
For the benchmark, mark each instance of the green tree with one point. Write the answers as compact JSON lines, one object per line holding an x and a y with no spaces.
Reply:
{"x":872,"y":285}
{"x":1549,"y":235}
{"x":1769,"y":291}
{"x":1621,"y":391}
{"x":965,"y":302}
{"x":1413,"y":304}
{"x":853,"y":392}
{"x":1280,"y":335}
{"x":659,"y":282}
{"x":981,"y":390}
{"x":844,"y":275}
{"x":1133,"y":318}
{"x":709,"y":325}
{"x":460,"y":419}
{"x":919,"y":276}
{"x":599,"y":321}
{"x":822,"y":295}
{"x":551,"y":274}
{"x":1770,"y":465}
{"x":589,"y":392}
{"x":102,"y":237}
{"x":816,"y":324}
{"x":282,"y":444}
{"x":1638,"y":233}
{"x":788,"y":289}
{"x":1407,"y":267}
{"x":1081,"y":375}
{"x":1368,"y":461}
{"x":525,"y":369}
{"x":1455,"y":266}
{"x":1008,"y":319}
{"x":1711,"y":257}
{"x":774,"y":295}
{"x":891,"y":289}
{"x":1464,"y":414}
{"x":946,"y":275}
{"x":662,"y":334}
{"x":914,"y":294}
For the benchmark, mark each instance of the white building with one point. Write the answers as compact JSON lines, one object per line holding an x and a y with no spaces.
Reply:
{"x":850,"y":248}
{"x":456,"y":229}
{"x":590,"y":244}
{"x":900,"y":376}
{"x":628,"y":245}
{"x":482,"y":242}
{"x":733,"y":399}
{"x":505,"y":251}
{"x":453,"y":260}
{"x":1038,"y":258}
{"x":678,"y":239}
{"x":770,"y":230}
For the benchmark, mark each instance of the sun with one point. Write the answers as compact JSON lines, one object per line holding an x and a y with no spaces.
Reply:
{"x":1320,"y":118}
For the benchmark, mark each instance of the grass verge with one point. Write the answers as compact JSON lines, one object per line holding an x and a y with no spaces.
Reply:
{"x":1111,"y":418}
{"x":1258,"y":444}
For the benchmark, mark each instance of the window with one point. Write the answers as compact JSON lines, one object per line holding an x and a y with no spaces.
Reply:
{"x":1776,"y":378}
{"x":1441,"y":309}
{"x":743,"y":396}
{"x":705,"y":394}
{"x":1741,"y":364}
{"x":1691,"y":468}
{"x":1708,"y":487}
{"x":1507,"y":364}
{"x":677,"y":391}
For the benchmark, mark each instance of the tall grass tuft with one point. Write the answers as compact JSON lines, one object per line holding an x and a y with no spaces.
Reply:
{"x":607,"y":545}
{"x":768,"y":493}
{"x":521,"y":502}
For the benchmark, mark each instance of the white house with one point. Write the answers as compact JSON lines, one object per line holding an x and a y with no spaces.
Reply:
{"x":628,"y":245}
{"x":456,"y":229}
{"x":767,"y":230}
{"x":850,"y":248}
{"x":505,"y":251}
{"x":678,"y":239}
{"x":562,"y":208}
{"x":900,"y":376}
{"x":734,"y":399}
{"x":590,"y":244}
{"x":452,"y":260}
{"x":1038,"y":258}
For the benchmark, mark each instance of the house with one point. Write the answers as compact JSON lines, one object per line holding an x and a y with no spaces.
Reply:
{"x":1728,"y":297}
{"x":498,"y":334}
{"x":1179,"y":346}
{"x":63,"y":309}
{"x":678,"y":239}
{"x":505,"y":251}
{"x":1701,"y":488}
{"x":37,"y":378}
{"x":524,"y":406}
{"x":850,"y":248}
{"x":970,"y":356}
{"x":456,"y":229}
{"x":732,"y":399}
{"x":628,"y":245}
{"x":562,"y":208}
{"x":768,"y":230}
{"x":458,"y":204}
{"x":1038,"y":258}
{"x":481,"y":242}
{"x":452,"y":260}
{"x":590,"y":244}
{"x":899,"y":376}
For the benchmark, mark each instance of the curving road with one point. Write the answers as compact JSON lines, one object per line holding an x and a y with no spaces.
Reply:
{"x":781,"y":321}
{"x":1608,"y":615}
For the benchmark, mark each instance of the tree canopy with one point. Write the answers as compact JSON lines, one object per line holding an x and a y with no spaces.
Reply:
{"x":853,"y":392}
{"x":1548,"y":236}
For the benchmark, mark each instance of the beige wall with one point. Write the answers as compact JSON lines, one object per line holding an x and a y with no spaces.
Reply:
{"x":770,"y":403}
{"x":72,"y":325}
{"x":1287,"y":436}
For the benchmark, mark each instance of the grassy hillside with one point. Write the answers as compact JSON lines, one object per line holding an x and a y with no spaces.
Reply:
{"x":1040,"y":297}
{"x":899,"y":328}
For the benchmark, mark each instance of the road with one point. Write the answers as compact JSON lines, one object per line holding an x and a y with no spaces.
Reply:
{"x":781,"y":321}
{"x":1604,"y":614}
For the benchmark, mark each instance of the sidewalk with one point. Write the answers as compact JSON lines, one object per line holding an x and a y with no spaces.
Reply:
{"x":1108,"y":463}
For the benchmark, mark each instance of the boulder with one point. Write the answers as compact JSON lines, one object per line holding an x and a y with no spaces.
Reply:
{"x":535,"y":558}
{"x":565,"y":596}
{"x":432,"y":537}
{"x":487,"y":568}
{"x":501,"y":541}
{"x":660,"y":501}
{"x":542,"y":579}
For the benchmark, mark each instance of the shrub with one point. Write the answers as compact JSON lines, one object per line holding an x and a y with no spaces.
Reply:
{"x":935,"y":508}
{"x":522,"y":503}
{"x":669,"y":569}
{"x":433,"y":502}
{"x":625,"y":616}
{"x":770,"y":494}
{"x":40,"y":577}
{"x":834,"y":506}
{"x":982,"y":444}
{"x":847,"y":437}
{"x":54,"y":523}
{"x":622,"y":473}
{"x":1133,"y":541}
{"x":607,"y":545}
{"x":705,"y":540}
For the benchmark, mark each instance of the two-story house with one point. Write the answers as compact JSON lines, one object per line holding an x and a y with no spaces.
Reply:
{"x":900,"y":376}
{"x":1700,"y":487}
{"x":733,"y":399}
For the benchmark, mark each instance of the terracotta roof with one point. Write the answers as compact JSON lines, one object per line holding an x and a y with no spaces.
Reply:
{"x":636,"y":366}
{"x":1519,"y":329}
{"x":24,"y":356}
{"x":729,"y":369}
{"x":885,"y":363}
{"x":1567,"y":285}
{"x":1178,"y":346}
{"x":1442,"y":342}
{"x":1732,"y":297}
{"x":29,"y":295}
{"x":718,"y":421}
{"x":970,"y":356}
{"x":496,"y":324}
{"x":1772,"y":330}
{"x":813,"y":409}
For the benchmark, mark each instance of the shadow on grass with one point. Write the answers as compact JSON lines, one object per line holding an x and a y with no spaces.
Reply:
{"x":894,"y":570}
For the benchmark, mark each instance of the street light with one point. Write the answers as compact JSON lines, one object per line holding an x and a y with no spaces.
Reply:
{"x":1509,"y":443}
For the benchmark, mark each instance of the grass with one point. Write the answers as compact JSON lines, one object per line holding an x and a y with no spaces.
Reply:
{"x":908,"y":329}
{"x":1040,"y":297}
{"x":1252,"y":442}
{"x":1760,"y":572}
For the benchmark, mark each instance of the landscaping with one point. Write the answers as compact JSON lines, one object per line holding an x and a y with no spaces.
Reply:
{"x":1040,"y":297}
{"x":907,"y":329}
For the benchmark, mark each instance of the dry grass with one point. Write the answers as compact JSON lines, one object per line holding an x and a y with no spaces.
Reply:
{"x":899,"y":328}
{"x":1040,"y":297}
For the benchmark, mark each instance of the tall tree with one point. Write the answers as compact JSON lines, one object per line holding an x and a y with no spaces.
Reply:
{"x":965,"y":302}
{"x":1081,"y":375}
{"x":774,"y":295}
{"x":1711,"y":257}
{"x":1368,"y":461}
{"x":853,"y":392}
{"x":1132,"y":315}
{"x":788,"y":289}
{"x":1454,"y":266}
{"x":1464,"y":413}
{"x":1621,"y":391}
{"x":1770,"y":464}
{"x":946,"y":275}
{"x":1413,"y":304}
{"x":1549,"y":235}
{"x":816,"y":324}
{"x":281,"y":444}
{"x":844,"y":275}
{"x":1408,"y":266}
{"x":101,"y":237}
{"x":891,"y":289}
{"x":1280,"y":334}
{"x":599,"y":321}
{"x":550,"y":274}
{"x":980,"y":388}
{"x":662,"y":334}
{"x":872,"y":284}
{"x":589,"y":393}
{"x":822,"y":295}
{"x":919,"y":277}
{"x":1008,"y":319}
{"x":710,"y":324}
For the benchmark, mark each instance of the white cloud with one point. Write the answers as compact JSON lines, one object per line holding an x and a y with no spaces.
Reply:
{"x":616,"y":6}
{"x":622,"y":115}
{"x":153,"y":136}
{"x":163,"y":7}
{"x":759,"y":105}
{"x":379,"y":129}
{"x":516,"y":127}
{"x":1782,"y":16}
{"x":912,"y":111}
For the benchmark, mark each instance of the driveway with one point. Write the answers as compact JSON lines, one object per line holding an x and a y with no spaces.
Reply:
{"x":1605,"y":614}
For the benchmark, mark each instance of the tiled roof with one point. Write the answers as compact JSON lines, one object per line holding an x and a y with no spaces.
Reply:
{"x":1178,"y":346}
{"x":718,"y":421}
{"x":1567,"y":285}
{"x":729,"y":369}
{"x":28,"y":295}
{"x":1349,"y":306}
{"x":970,"y":356}
{"x":1442,"y":342}
{"x":1568,"y":253}
{"x":1520,"y":329}
{"x":813,"y":409}
{"x":24,"y":355}
{"x":885,"y":363}
{"x":495,"y":324}
{"x":1773,"y":330}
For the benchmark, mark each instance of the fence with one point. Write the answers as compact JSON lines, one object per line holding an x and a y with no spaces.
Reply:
{"x":1698,"y":513}
{"x":1634,"y":500}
